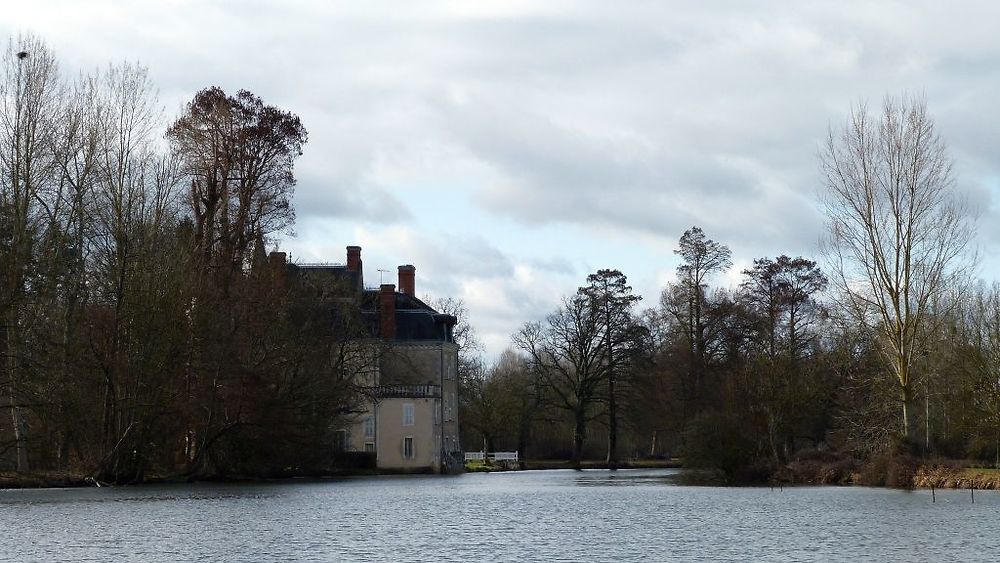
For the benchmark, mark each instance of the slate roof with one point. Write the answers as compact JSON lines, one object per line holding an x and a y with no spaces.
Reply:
{"x":415,"y":320}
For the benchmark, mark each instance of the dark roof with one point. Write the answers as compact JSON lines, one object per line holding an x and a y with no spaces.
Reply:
{"x":320,"y":273}
{"x":415,"y":320}
{"x":404,"y":302}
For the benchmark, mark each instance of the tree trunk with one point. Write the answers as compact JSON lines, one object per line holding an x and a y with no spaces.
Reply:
{"x":20,"y":432}
{"x":911,"y":429}
{"x":772,"y":435}
{"x":612,"y":459}
{"x":16,"y":416}
{"x":579,"y":431}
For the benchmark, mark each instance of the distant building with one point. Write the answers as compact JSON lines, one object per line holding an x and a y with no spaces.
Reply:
{"x":409,"y":418}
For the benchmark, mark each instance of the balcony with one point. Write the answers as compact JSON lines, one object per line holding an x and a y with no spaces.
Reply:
{"x":407,"y":391}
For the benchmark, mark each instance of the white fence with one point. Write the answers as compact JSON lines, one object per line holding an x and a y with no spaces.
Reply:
{"x":502,"y":458}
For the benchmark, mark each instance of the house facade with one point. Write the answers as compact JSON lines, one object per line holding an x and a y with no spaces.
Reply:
{"x":409,"y":415}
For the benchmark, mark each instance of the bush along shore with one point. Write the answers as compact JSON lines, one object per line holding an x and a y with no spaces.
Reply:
{"x":808,"y":468}
{"x":894,"y":471}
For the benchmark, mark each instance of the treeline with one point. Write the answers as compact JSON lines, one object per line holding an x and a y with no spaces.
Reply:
{"x":142,"y":330}
{"x":891,"y":352}
{"x":738,"y":379}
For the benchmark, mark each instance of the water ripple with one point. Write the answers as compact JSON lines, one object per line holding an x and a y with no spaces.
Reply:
{"x":519,"y":516}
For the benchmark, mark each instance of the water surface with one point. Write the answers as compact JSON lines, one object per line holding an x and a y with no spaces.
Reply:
{"x":632,"y":515}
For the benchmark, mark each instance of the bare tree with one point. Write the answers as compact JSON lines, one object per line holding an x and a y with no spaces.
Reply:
{"x":565,"y":355}
{"x":612,"y":299}
{"x":29,"y":86}
{"x":780,"y":294}
{"x":470,"y":348}
{"x":239,"y":155}
{"x":985,"y":337}
{"x":134,"y":211}
{"x":701,"y":257}
{"x":897,"y":234}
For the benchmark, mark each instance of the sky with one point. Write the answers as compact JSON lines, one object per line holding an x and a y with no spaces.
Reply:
{"x":507,"y":149}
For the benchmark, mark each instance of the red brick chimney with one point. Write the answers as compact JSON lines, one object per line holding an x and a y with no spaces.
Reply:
{"x":407,"y":280}
{"x":353,"y":258}
{"x":387,"y":311}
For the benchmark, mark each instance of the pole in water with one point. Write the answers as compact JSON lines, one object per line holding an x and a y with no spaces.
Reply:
{"x":933,"y":498}
{"x":972,"y":492}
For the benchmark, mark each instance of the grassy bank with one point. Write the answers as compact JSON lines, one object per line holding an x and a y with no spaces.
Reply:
{"x":46,"y":479}
{"x":947,"y":477}
{"x":901,"y":471}
{"x":601,"y":464}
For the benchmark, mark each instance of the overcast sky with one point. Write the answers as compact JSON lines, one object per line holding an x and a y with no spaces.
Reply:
{"x":509,"y":148}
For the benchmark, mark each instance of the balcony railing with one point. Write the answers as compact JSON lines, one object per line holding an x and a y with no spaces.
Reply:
{"x":407,"y":391}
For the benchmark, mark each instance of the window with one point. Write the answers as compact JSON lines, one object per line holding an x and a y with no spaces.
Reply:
{"x":408,"y":447}
{"x":340,"y":441}
{"x":369,"y":447}
{"x":408,"y":414}
{"x":370,"y":427}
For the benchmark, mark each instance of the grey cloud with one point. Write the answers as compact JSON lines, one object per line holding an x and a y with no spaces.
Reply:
{"x":317,"y":198}
{"x":555,"y":265}
{"x":633,"y":123}
{"x":460,"y":260}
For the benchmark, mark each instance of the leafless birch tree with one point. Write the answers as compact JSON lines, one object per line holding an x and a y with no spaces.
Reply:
{"x":29,"y":87}
{"x":898,"y":235}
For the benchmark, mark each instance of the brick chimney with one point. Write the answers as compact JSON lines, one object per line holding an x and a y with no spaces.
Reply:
{"x":277,"y":259}
{"x":353,"y":258}
{"x":387,"y":311}
{"x":407,"y":280}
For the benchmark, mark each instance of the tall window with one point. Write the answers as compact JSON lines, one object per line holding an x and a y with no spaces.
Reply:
{"x":340,"y":441}
{"x":408,"y":447}
{"x":408,"y":414}
{"x":369,"y":427}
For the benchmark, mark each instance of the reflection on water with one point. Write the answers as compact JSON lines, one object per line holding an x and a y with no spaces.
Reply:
{"x":528,"y":516}
{"x":601,"y":478}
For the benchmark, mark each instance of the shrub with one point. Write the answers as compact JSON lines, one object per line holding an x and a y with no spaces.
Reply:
{"x":717,"y":441}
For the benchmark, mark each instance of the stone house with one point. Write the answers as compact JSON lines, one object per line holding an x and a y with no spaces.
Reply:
{"x":409,"y":412}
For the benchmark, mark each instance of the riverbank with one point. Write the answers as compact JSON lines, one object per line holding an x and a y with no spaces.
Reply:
{"x":899,"y":472}
{"x":829,"y":469}
{"x":66,"y":479}
{"x":41,"y":480}
{"x":943,"y":477}
{"x":543,"y":464}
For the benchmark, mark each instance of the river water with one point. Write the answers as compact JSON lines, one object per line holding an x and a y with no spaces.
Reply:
{"x":633,"y":515}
